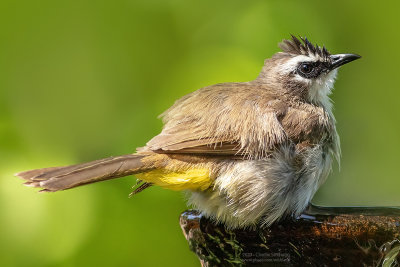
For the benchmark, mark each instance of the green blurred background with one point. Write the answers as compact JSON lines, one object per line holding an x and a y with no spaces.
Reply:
{"x":81,"y":80}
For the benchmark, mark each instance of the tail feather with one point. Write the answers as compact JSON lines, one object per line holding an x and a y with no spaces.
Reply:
{"x":61,"y":178}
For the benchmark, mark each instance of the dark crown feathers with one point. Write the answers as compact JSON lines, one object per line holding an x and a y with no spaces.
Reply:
{"x":303,"y":47}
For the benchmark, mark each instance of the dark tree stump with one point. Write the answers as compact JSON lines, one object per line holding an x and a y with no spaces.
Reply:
{"x":353,"y":236}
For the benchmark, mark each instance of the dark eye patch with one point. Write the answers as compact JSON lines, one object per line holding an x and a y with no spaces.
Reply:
{"x":311,"y":70}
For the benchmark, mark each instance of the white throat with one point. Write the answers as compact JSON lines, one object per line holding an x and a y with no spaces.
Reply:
{"x":320,"y":90}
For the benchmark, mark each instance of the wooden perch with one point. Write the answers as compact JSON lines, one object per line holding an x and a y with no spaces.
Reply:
{"x":321,"y":236}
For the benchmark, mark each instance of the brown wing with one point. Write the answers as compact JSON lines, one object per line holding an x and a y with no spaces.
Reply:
{"x":205,"y":146}
{"x":224,"y":119}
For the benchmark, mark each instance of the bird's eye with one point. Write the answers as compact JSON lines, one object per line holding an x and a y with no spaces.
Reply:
{"x":306,"y":68}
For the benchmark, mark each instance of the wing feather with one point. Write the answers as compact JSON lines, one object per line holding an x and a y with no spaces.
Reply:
{"x":223,"y":119}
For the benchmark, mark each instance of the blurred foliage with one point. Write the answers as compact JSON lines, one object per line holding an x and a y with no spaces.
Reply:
{"x":81,"y":80}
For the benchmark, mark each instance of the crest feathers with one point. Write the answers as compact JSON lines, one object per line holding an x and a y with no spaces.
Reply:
{"x":303,"y":47}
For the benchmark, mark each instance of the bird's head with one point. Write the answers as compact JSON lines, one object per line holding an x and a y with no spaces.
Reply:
{"x":304,"y":69}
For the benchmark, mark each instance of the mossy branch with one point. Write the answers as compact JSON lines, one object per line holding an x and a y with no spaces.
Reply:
{"x":351,"y":236}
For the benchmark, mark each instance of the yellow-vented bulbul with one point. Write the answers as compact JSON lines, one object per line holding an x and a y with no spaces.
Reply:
{"x":248,"y":153}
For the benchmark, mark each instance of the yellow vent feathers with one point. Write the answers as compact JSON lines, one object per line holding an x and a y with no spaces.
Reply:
{"x":197,"y":179}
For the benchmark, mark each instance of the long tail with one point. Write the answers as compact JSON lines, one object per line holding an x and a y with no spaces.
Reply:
{"x":61,"y":178}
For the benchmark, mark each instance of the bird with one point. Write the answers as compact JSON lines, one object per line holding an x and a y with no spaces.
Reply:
{"x":247,"y":154}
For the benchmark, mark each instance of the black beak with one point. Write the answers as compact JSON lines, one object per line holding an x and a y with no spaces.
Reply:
{"x":341,"y":59}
